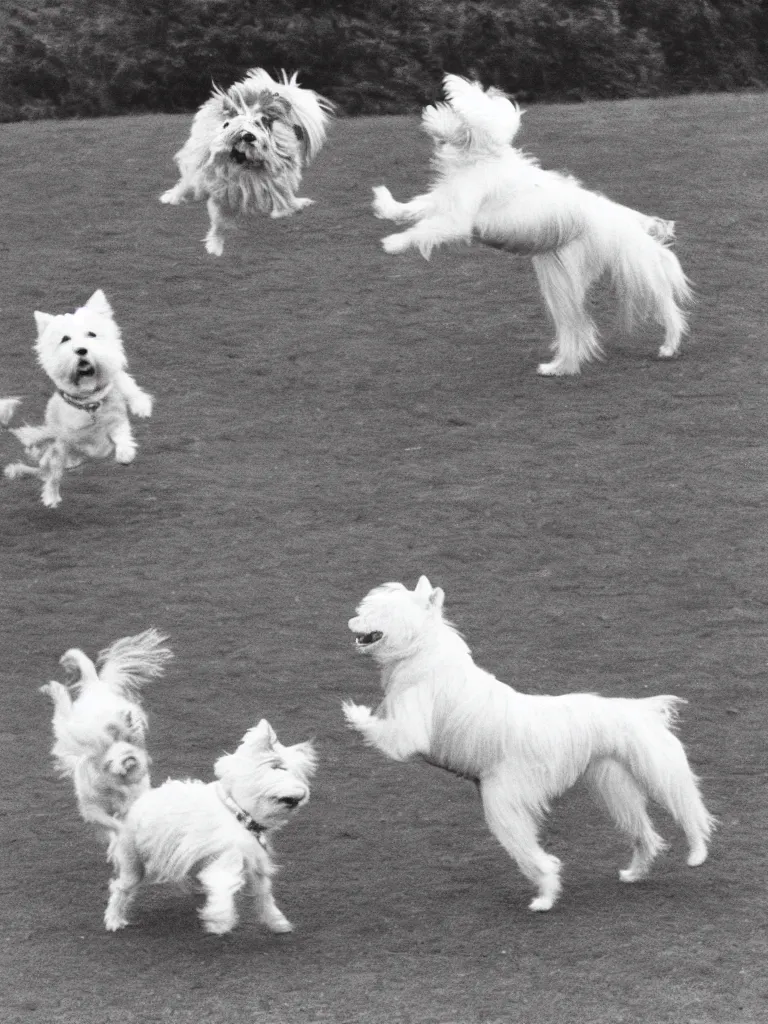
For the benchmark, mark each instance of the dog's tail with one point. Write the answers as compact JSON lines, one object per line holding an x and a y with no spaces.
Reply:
{"x":8,"y":407}
{"x":491,"y":118}
{"x":126,"y":665}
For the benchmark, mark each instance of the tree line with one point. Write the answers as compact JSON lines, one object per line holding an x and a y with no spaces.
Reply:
{"x":69,"y":58}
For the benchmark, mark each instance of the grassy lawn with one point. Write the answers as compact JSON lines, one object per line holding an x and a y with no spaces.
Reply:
{"x":329,"y":418}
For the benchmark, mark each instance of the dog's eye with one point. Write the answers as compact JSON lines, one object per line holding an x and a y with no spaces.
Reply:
{"x":65,"y":338}
{"x":91,"y":334}
{"x":268,"y":122}
{"x":225,"y":125}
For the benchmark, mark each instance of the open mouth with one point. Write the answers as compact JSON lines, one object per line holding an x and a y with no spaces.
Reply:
{"x":366,"y":639}
{"x":84,"y":368}
{"x":241,"y":155}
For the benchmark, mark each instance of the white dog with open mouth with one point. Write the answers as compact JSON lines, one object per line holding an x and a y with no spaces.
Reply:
{"x":100,"y":736}
{"x":247,"y":150}
{"x":218,"y":832}
{"x":522,"y":750}
{"x":486,"y":189}
{"x":87,"y":417}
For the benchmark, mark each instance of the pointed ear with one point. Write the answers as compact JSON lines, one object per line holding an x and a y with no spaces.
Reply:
{"x":423,"y":589}
{"x":223,"y":765}
{"x":261,"y":736}
{"x":42,"y":320}
{"x":301,"y":759}
{"x":98,"y":304}
{"x":436,"y":599}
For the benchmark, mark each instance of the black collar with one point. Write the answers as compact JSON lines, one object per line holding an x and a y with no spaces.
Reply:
{"x":253,"y":826}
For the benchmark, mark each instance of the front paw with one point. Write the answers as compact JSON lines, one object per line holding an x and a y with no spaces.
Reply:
{"x":172,"y":197}
{"x":113,"y":920}
{"x":396,"y":244}
{"x":357,"y":715}
{"x":125,"y":454}
{"x":214,"y":246}
{"x":141,"y":404}
{"x":384,"y":205}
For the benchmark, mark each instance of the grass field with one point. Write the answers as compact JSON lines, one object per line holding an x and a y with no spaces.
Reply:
{"x":329,"y":418}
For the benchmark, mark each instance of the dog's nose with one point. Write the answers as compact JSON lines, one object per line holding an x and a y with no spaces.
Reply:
{"x":248,"y":137}
{"x":290,"y":801}
{"x":81,"y":351}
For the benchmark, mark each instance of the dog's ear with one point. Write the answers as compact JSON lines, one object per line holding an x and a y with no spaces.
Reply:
{"x":300,"y":759}
{"x":423,"y":589}
{"x":223,"y":765}
{"x":260,"y":737}
{"x":42,"y":320}
{"x":98,"y":304}
{"x":436,"y":599}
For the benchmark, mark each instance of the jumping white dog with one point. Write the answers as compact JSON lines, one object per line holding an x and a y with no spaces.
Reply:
{"x":486,"y":189}
{"x":219,"y":832}
{"x":100,"y":736}
{"x":87,"y":417}
{"x":522,"y":750}
{"x":247,"y":150}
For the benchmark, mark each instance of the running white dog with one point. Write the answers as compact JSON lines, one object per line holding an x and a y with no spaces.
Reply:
{"x":100,"y":735}
{"x":87,"y":417}
{"x":219,"y":832}
{"x":487,"y":190}
{"x":521,"y":750}
{"x":247,"y":150}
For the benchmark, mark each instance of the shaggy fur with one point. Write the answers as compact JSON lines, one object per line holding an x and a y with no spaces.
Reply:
{"x":486,"y":189}
{"x":218,"y":832}
{"x":521,"y":750}
{"x":100,"y":735}
{"x":247,"y":150}
{"x":87,"y":417}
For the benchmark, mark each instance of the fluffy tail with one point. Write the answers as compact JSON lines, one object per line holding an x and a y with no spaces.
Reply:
{"x":126,"y":665}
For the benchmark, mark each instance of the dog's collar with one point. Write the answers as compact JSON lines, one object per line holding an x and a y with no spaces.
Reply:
{"x":253,"y":826}
{"x":89,"y":404}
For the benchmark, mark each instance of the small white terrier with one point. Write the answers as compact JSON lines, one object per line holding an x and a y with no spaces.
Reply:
{"x":521,"y":750}
{"x":247,"y":149}
{"x":100,"y":735}
{"x":219,"y":832}
{"x":87,"y":417}
{"x":486,"y":189}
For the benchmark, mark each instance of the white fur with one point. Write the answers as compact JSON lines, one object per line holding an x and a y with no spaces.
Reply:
{"x":185,"y":829}
{"x":522,"y":750}
{"x":82,"y":353}
{"x":485,"y":189}
{"x":100,"y":735}
{"x":247,"y":150}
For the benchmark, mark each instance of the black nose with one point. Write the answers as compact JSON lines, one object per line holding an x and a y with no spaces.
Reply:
{"x":81,"y":351}
{"x":290,"y":801}
{"x":248,"y":137}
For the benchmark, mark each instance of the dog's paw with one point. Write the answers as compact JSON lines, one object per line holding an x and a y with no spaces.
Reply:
{"x":297,"y":205}
{"x":141,"y":404}
{"x":172,"y":197}
{"x":396,"y":244}
{"x":279,"y":924}
{"x":125,"y":454}
{"x":113,"y":920}
{"x":214,"y":246}
{"x":51,"y":497}
{"x":357,"y":715}
{"x":218,"y":924}
{"x":384,"y":204}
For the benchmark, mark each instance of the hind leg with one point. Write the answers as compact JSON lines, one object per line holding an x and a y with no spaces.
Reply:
{"x":221,"y":879}
{"x":626,"y":803}
{"x":564,"y":279}
{"x":515,"y":826}
{"x":122,"y":888}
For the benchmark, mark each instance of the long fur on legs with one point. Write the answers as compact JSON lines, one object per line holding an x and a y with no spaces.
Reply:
{"x":522,"y":750}
{"x":487,"y":190}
